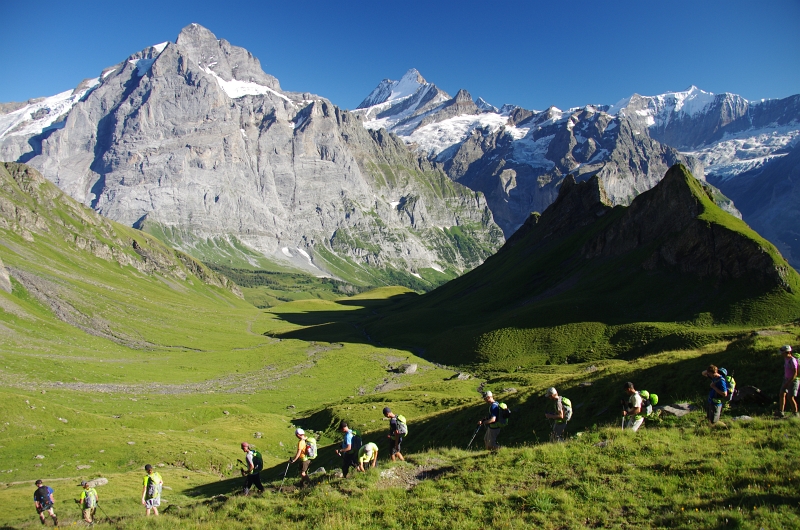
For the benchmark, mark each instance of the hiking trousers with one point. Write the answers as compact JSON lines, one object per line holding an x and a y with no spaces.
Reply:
{"x":254,"y":479}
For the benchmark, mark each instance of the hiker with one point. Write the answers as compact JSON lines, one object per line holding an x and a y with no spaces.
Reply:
{"x":395,"y":436}
{"x":559,"y":409}
{"x":306,"y":451}
{"x":368,"y":454}
{"x":43,"y":500}
{"x":88,"y":502}
{"x":151,"y":490}
{"x":632,"y":408}
{"x":348,"y":449}
{"x":719,"y":391}
{"x":493,"y":426}
{"x":254,"y":464}
{"x":790,"y":381}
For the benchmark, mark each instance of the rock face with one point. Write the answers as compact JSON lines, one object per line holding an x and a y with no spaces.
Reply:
{"x":192,"y":140}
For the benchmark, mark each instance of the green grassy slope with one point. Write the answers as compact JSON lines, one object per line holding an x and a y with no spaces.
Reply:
{"x":543,"y":299}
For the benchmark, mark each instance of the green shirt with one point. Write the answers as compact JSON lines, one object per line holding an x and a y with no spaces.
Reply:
{"x":89,"y":498}
{"x":364,"y":457}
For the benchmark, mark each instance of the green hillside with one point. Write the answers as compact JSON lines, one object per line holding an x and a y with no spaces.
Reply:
{"x":585,"y":281}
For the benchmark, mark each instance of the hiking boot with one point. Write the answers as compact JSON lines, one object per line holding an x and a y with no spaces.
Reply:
{"x":780,"y":414}
{"x":55,"y":521}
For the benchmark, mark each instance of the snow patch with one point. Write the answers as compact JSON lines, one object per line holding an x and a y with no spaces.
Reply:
{"x":22,"y":122}
{"x":237,"y":89}
{"x":436,"y":268}
{"x":286,"y":252}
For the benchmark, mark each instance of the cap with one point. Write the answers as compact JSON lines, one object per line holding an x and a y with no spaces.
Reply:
{"x":551,"y":391}
{"x":148,"y":467}
{"x":786,"y":348}
{"x":84,"y":483}
{"x":342,"y":425}
{"x":488,"y":393}
{"x":299,"y":431}
{"x":368,"y":449}
{"x":723,"y":371}
{"x":386,"y":410}
{"x":245,"y":444}
{"x":39,"y":482}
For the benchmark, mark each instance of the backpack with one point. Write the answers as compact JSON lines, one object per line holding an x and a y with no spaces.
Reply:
{"x":402,"y":427}
{"x":152,"y":487}
{"x":42,"y":495}
{"x":311,"y":448}
{"x":567,"y":408}
{"x":504,"y":415}
{"x":90,"y":499}
{"x":356,"y":442}
{"x":258,"y":460}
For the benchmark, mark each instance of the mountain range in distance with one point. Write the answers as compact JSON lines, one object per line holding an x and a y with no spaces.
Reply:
{"x":193,"y":142}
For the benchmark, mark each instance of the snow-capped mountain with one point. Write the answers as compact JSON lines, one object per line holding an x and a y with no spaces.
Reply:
{"x":193,"y":141}
{"x":518,"y":157}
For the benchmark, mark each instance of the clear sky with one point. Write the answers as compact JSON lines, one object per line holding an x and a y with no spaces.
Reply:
{"x":532,"y":53}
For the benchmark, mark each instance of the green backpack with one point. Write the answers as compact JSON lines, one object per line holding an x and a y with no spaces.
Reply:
{"x":567,"y":408}
{"x":402,"y":426}
{"x":258,"y":460}
{"x":311,"y":448}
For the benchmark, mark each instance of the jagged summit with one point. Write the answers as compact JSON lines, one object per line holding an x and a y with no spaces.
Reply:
{"x":388,"y":90}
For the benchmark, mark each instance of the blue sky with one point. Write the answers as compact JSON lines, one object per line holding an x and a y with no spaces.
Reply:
{"x":529,"y":53}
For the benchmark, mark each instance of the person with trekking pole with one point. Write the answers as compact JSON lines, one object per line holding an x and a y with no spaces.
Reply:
{"x":151,"y":490}
{"x":559,"y":410}
{"x":632,"y":408}
{"x":719,"y":391}
{"x":347,"y":451}
{"x":88,"y":502}
{"x":491,"y":423}
{"x":43,"y":500}
{"x":255,"y":463}
{"x":306,"y":451}
{"x":395,"y":434}
{"x":791,"y":381}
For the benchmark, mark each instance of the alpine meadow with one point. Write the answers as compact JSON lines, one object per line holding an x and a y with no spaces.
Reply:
{"x":542,"y":319}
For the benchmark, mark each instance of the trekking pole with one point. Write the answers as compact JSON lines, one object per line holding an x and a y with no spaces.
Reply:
{"x":103,"y":512}
{"x":474,"y":435}
{"x":284,"y":474}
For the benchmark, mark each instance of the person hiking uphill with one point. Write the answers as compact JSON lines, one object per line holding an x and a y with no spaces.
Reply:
{"x":348,"y":449}
{"x":790,"y":381}
{"x":491,"y":423}
{"x":718,"y":393}
{"x":254,"y":465}
{"x":302,"y":455}
{"x":395,"y":436}
{"x":559,"y":410}
{"x":88,"y":502}
{"x":151,"y":490}
{"x":43,"y":500}
{"x":367,"y":456}
{"x":632,"y":408}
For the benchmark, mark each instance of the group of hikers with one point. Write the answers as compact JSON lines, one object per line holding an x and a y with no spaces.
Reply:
{"x":637,"y":406}
{"x":89,"y":501}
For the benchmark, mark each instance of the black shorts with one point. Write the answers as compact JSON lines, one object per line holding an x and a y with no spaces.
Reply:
{"x":44,"y":507}
{"x":395,"y":449}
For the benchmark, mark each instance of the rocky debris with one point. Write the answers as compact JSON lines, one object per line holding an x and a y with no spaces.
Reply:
{"x":677,"y":409}
{"x":319,"y":470}
{"x":100,"y":481}
{"x":509,"y":390}
{"x":257,"y":435}
{"x":40,"y":457}
{"x":741,"y":418}
{"x":63,"y":420}
{"x":463,"y":376}
{"x":83,"y":466}
{"x":602,"y":443}
{"x":5,"y":280}
{"x":585,"y":384}
{"x":131,"y":443}
{"x":225,"y":412}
